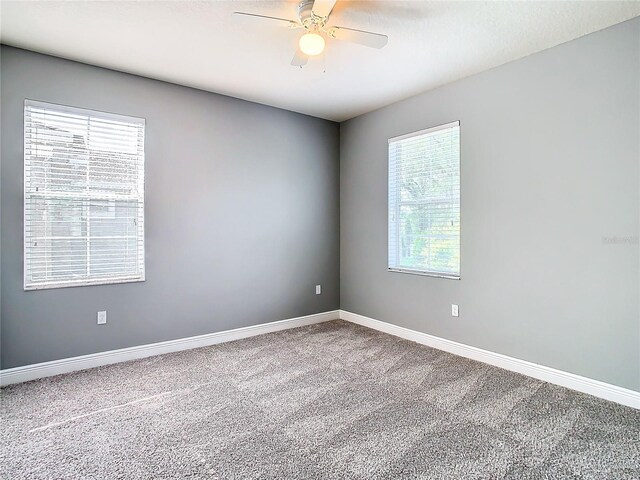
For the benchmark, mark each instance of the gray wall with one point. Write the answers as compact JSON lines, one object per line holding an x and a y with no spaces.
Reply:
{"x":242,"y":215}
{"x":550,"y":166}
{"x":242,"y":212}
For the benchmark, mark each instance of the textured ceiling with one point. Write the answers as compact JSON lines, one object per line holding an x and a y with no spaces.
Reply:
{"x":201,"y":44}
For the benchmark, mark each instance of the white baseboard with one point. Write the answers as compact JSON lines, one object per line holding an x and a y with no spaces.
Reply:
{"x":66,"y":365}
{"x":596,"y":388}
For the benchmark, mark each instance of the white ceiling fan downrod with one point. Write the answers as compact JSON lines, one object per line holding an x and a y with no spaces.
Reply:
{"x":309,"y":20}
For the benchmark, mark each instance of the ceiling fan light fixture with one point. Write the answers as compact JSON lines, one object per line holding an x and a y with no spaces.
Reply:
{"x":311,"y":44}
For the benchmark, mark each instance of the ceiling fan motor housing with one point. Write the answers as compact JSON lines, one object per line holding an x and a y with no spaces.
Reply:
{"x":308,"y":19}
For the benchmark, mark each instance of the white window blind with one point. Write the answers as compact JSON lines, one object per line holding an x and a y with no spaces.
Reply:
{"x":424,"y":202}
{"x":83,"y":197}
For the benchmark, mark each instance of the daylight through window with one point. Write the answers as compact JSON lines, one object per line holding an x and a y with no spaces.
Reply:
{"x":83,"y":197}
{"x":424,"y":202}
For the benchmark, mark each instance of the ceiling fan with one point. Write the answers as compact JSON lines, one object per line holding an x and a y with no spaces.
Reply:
{"x":313,"y":16}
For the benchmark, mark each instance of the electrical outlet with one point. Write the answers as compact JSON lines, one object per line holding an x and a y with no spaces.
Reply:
{"x":102,"y":317}
{"x":318,"y":289}
{"x":454,"y":310}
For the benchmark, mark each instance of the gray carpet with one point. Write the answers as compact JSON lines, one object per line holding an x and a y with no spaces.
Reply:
{"x":333,"y":400}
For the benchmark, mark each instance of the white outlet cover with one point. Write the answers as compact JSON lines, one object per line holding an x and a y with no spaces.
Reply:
{"x":102,"y":318}
{"x":454,"y":310}
{"x":318,"y":289}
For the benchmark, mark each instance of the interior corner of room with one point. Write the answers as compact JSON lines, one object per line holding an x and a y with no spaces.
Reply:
{"x":258,"y":205}
{"x":254,"y":217}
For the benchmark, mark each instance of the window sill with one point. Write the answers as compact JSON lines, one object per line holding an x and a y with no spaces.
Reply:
{"x":424,"y":273}
{"x":82,"y":283}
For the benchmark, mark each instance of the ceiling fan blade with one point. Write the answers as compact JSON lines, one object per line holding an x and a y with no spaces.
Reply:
{"x":368,"y":39}
{"x":322,"y":8}
{"x":283,"y":22}
{"x":299,"y":59}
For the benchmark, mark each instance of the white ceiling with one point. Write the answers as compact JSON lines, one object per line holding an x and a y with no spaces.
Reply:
{"x":201,"y":44}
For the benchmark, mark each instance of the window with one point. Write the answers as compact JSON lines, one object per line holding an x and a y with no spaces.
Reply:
{"x":424,"y":202}
{"x":83,"y":197}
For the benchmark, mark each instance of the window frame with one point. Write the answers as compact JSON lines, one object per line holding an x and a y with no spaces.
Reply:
{"x":398,"y":204}
{"x":28,"y":284}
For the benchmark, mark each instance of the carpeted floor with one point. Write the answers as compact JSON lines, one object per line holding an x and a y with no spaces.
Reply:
{"x":333,"y":400}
